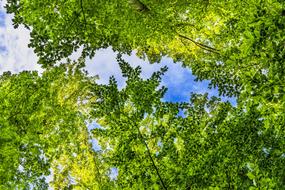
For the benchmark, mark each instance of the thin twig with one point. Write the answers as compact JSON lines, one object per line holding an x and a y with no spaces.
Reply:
{"x":81,"y":5}
{"x":202,"y":46}
{"x":67,"y":28}
{"x":149,"y":154}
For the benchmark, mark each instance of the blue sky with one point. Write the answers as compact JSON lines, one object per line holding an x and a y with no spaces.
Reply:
{"x":15,"y":56}
{"x":2,"y":19}
{"x":179,"y":80}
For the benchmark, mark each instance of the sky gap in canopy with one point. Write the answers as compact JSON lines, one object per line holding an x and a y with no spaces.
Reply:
{"x":15,"y":56}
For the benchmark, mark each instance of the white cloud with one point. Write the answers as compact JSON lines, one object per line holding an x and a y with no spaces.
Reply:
{"x":15,"y":55}
{"x":105,"y":65}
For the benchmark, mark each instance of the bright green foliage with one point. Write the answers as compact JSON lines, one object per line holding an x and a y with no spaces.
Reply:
{"x":42,"y":121}
{"x":21,"y":144}
{"x":227,"y":42}
{"x":213,"y":146}
{"x":153,"y":28}
{"x":60,"y":27}
{"x":238,"y":45}
{"x":200,"y":144}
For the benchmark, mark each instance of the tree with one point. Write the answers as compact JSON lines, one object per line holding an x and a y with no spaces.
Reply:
{"x":228,"y":42}
{"x":124,"y":25}
{"x":43,"y":130}
{"x":212,"y":145}
{"x":239,"y":46}
{"x":203,"y":143}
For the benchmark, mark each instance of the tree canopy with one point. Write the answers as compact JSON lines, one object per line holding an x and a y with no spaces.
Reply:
{"x":227,"y":42}
{"x":205,"y":143}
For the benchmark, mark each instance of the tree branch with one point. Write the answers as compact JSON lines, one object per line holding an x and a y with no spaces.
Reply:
{"x":202,"y":46}
{"x":149,"y":154}
{"x":82,"y":9}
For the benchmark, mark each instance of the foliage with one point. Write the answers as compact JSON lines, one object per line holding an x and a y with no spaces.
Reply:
{"x":212,"y":145}
{"x":200,"y":144}
{"x":42,"y":122}
{"x":227,"y":42}
{"x":60,"y":27}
